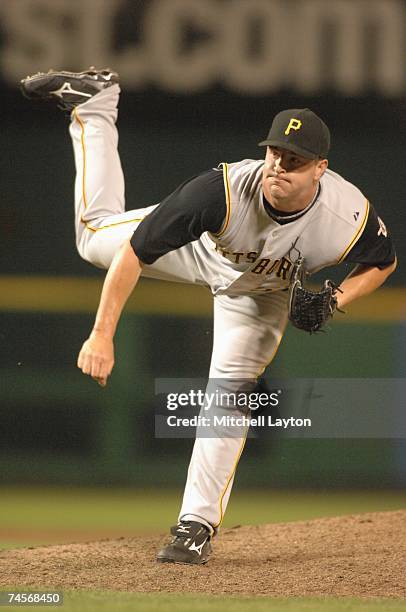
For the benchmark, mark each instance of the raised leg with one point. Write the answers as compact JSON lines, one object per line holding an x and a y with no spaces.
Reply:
{"x":100,"y":221}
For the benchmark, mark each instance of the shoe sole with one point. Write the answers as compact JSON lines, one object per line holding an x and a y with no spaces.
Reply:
{"x":167,"y":560}
{"x":70,"y":75}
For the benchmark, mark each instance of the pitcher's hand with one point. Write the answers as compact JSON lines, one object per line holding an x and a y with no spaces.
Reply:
{"x":96,"y":357}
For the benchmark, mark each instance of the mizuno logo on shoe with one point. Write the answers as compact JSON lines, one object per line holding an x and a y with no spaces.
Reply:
{"x":198,"y":549}
{"x":67,"y":88}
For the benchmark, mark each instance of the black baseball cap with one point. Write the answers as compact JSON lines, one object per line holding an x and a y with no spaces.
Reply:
{"x":299,"y":130}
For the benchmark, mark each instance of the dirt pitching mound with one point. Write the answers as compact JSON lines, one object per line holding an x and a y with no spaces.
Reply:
{"x":359,"y":555}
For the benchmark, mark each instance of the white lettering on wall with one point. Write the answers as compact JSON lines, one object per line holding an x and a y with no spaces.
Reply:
{"x":348,"y":23}
{"x":190,"y":70}
{"x":249,"y":46}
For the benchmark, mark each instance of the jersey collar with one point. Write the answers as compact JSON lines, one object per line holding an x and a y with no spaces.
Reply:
{"x":281,"y":217}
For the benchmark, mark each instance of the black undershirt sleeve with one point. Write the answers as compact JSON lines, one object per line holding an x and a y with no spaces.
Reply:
{"x":375,"y":246}
{"x":196,"y":206}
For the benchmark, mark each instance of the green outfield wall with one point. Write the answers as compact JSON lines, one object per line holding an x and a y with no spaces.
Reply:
{"x":58,"y":426}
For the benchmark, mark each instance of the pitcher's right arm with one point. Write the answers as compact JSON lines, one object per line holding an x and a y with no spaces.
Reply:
{"x":96,"y":357}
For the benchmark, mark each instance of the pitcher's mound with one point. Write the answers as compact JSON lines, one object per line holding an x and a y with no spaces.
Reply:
{"x":359,"y":555}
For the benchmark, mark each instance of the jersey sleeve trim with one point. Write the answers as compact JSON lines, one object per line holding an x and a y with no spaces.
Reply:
{"x":98,"y":229}
{"x":228,"y":201}
{"x":357,"y":235}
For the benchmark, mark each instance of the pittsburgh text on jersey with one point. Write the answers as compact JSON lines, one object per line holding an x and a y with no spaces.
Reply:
{"x":282,"y":268}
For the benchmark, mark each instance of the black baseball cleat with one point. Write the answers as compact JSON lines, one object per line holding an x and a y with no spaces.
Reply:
{"x":69,"y":89}
{"x":191,"y":544}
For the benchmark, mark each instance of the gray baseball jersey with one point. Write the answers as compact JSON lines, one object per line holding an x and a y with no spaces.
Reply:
{"x":255,"y":246}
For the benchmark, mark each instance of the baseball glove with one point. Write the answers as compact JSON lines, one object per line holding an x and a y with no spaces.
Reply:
{"x":310,"y":310}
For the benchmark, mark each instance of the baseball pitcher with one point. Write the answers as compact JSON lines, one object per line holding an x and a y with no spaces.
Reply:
{"x":251,"y":231}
